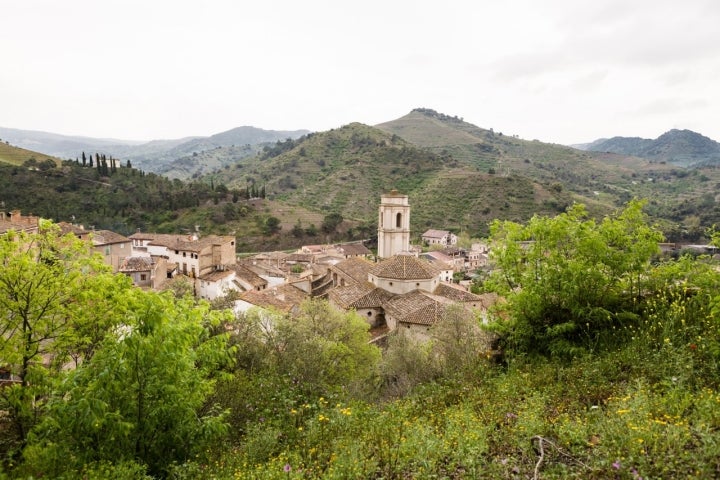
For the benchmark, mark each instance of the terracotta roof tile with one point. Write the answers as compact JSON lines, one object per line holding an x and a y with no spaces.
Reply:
{"x":136,"y":264}
{"x":417,"y":307}
{"x":356,"y":268}
{"x":249,"y":276}
{"x":405,"y":267}
{"x":284,"y":298}
{"x":435,"y":233}
{"x":107,"y":237}
{"x":456,"y":294}
{"x":363,"y":295}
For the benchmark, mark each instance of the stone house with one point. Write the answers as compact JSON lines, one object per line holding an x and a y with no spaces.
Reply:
{"x":351,"y":271}
{"x":366,"y":299}
{"x":145,"y":272}
{"x":112,"y":246}
{"x":350,"y":250}
{"x":16,"y":221}
{"x":443,"y":263}
{"x":194,"y":256}
{"x":444,"y":238}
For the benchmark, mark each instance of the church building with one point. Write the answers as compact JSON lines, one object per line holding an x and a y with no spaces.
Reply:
{"x":393,"y":225}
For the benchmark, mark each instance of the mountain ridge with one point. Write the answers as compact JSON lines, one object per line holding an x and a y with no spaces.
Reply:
{"x":152,"y":156}
{"x":684,"y":148}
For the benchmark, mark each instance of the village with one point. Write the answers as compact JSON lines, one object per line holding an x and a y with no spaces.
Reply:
{"x":404,"y":287}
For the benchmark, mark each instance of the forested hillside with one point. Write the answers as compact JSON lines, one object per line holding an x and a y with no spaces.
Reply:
{"x":458,"y":177}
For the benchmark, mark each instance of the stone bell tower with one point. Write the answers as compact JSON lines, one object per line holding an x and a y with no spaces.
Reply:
{"x":393,"y":224}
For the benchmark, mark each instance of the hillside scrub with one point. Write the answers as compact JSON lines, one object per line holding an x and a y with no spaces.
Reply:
{"x":570,"y":279}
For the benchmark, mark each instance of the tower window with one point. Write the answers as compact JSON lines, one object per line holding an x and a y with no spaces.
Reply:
{"x":398,"y":220}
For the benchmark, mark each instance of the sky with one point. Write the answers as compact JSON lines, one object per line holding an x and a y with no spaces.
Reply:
{"x":559,"y":71}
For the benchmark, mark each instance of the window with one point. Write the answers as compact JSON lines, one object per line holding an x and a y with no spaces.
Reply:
{"x":398,"y":220}
{"x":143,"y":277}
{"x":107,"y":250}
{"x":184,"y":254}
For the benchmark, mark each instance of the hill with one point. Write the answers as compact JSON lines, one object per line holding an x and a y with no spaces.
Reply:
{"x":18,"y":156}
{"x":62,"y":146}
{"x":683,"y":148}
{"x":345,"y":170}
{"x":153,"y":156}
{"x":680,"y":198}
{"x":458,"y":177}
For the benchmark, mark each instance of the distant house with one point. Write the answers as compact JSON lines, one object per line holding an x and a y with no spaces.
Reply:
{"x":194,"y":256}
{"x":365,"y":298}
{"x":444,"y":263}
{"x":218,"y":283}
{"x":350,"y":250}
{"x":351,"y":271}
{"x":112,"y":246}
{"x":19,"y":223}
{"x":145,"y":272}
{"x":78,"y":231}
{"x":246,"y":279}
{"x":439,"y":237}
{"x":283,"y":298}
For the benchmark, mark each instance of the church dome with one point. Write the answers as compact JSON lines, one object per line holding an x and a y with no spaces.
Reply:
{"x":404,"y":267}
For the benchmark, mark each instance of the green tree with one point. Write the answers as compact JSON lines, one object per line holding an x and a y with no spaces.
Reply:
{"x":321,"y":347}
{"x":567,"y":278}
{"x":271,"y":225}
{"x":140,"y":397}
{"x":331,"y":222}
{"x":311,"y":230}
{"x":458,"y":342}
{"x":297,"y":230}
{"x":46,"y":313}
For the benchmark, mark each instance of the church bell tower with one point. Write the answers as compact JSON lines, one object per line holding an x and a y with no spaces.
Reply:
{"x":393,"y":224}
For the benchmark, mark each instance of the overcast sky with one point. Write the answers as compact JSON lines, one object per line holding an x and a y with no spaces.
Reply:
{"x":563,"y":71}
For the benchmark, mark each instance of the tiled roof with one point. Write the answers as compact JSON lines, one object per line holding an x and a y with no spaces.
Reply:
{"x":249,"y":276}
{"x":417,"y":307}
{"x":216,"y":275}
{"x":363,"y":295}
{"x":182,"y":242}
{"x":300,"y":257}
{"x":405,"y":267}
{"x":203,"y":242}
{"x":356,"y":268}
{"x":263,"y":267}
{"x":283,"y":298}
{"x":136,"y":264}
{"x":353,"y":249}
{"x":435,"y":233}
{"x":76,"y":230}
{"x":456,"y":294}
{"x":107,"y":237}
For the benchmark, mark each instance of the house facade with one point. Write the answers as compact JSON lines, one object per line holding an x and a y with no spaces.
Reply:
{"x":113,"y":247}
{"x":444,"y":238}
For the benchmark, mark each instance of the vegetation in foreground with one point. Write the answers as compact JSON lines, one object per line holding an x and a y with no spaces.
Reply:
{"x":620,"y":385}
